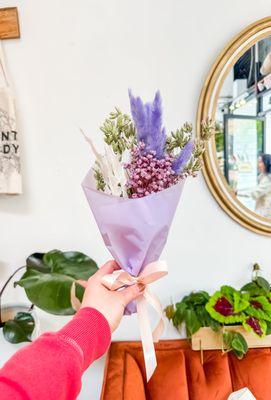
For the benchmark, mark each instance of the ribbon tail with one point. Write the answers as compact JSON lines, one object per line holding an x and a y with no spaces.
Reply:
{"x":154,"y":301}
{"x":151,"y":273}
{"x":146,"y":337}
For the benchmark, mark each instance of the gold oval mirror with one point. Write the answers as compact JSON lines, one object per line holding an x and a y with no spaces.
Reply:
{"x":237,"y":96}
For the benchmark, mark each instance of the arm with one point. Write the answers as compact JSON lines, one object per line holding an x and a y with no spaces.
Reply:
{"x":262,"y":189}
{"x":51,"y":367}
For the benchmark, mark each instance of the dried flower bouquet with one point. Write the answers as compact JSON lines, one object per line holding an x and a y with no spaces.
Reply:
{"x":133,"y":190}
{"x":140,"y":159}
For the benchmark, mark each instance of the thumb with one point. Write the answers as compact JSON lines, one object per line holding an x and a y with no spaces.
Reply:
{"x":82,"y":283}
{"x":132,"y":292}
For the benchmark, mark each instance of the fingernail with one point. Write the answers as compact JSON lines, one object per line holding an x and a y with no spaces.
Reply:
{"x":141,"y":287}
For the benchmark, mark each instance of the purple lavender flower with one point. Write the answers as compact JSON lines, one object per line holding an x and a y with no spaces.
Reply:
{"x":148,"y":122}
{"x":138,"y":114}
{"x":182,"y":159}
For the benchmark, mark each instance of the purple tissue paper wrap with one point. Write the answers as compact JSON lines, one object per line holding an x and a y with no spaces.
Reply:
{"x":135,"y":231}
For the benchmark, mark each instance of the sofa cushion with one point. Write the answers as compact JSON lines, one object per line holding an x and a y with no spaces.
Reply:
{"x":180,"y":374}
{"x":210,"y":380}
{"x":253,"y":372}
{"x":169,"y":380}
{"x":133,"y":385}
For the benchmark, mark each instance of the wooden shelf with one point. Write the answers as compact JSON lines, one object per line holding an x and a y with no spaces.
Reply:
{"x":207,"y":339}
{"x":9,"y":23}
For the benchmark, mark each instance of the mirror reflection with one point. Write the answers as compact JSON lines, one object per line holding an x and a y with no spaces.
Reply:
{"x":243,"y":128}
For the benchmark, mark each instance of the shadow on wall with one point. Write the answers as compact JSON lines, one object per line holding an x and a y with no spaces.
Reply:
{"x":2,"y":265}
{"x":15,"y":204}
{"x":3,"y":269}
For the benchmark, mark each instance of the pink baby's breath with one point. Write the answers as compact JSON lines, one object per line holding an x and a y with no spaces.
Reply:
{"x":148,"y":174}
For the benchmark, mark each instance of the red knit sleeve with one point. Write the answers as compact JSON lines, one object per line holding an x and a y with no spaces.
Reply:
{"x":51,"y":367}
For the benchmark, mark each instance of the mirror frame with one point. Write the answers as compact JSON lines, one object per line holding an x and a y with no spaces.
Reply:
{"x":207,"y":108}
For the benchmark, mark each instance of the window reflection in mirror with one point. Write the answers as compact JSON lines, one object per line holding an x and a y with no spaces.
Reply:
{"x":243,"y":128}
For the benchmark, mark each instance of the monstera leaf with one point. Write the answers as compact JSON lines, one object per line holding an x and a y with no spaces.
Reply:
{"x":49,"y":277}
{"x":20,"y":328}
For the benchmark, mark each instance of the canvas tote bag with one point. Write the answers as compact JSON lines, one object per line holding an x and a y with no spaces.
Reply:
{"x":10,"y":170}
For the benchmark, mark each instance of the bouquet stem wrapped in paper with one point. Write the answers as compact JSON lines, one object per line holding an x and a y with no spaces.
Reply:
{"x":133,"y":191}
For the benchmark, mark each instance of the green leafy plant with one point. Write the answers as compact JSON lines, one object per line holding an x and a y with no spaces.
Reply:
{"x":227,"y":305}
{"x":47,"y":282}
{"x":250,"y":307}
{"x":20,"y":328}
{"x":49,"y":277}
{"x":192,"y":311}
{"x":235,"y":342}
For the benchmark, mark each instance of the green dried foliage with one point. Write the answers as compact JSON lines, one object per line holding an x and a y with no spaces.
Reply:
{"x":119,"y":131}
{"x":195,"y":163}
{"x":178,"y":139}
{"x":100,"y":183}
{"x":207,"y":129}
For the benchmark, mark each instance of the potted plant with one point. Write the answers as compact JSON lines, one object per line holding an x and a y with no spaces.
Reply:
{"x":47,"y":281}
{"x":230,"y":319}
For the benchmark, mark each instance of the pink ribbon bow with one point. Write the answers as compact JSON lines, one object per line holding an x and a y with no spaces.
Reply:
{"x":151,"y":273}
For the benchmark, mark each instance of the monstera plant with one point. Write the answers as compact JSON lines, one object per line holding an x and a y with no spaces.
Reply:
{"x":249,"y":306}
{"x":47,"y":282}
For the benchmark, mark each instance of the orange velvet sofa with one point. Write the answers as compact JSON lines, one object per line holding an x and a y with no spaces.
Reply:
{"x":180,"y":374}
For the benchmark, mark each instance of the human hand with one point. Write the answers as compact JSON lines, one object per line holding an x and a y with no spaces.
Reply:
{"x":110,"y":303}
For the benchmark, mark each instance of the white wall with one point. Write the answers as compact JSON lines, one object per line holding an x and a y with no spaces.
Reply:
{"x":73,"y":63}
